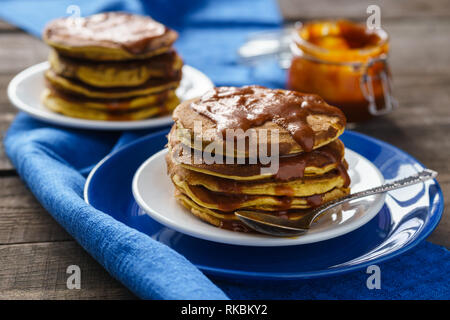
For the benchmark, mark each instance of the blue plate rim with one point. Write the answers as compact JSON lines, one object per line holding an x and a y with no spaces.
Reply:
{"x":303,"y":275}
{"x":112,"y":154}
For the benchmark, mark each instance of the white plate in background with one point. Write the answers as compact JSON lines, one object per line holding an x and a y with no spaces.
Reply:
{"x":25,"y":89}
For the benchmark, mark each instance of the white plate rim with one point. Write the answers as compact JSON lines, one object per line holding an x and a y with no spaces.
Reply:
{"x":62,"y":120}
{"x":254,"y":242}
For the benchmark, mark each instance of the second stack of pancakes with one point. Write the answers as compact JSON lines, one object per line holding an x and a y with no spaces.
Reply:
{"x":311,"y":169}
{"x":111,"y":66}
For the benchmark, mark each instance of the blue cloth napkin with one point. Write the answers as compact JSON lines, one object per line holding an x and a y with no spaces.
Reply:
{"x":54,"y":161}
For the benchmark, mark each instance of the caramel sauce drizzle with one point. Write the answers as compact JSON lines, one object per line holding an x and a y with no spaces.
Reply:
{"x":252,"y":106}
{"x":132,"y":32}
{"x":293,"y":166}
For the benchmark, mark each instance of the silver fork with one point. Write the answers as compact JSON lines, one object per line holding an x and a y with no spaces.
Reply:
{"x":280,"y":227}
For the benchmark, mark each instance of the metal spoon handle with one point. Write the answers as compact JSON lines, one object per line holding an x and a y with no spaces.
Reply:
{"x":420,"y":177}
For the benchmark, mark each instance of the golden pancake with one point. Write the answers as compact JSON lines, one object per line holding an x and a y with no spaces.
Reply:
{"x":226,"y":202}
{"x":72,"y":86}
{"x":307,"y":186}
{"x":299,"y":166}
{"x":203,"y":213}
{"x":124,"y":104}
{"x":227,"y":220}
{"x":226,"y":108}
{"x":317,"y":162}
{"x":109,"y":36}
{"x":116,"y":74}
{"x":57,"y":104}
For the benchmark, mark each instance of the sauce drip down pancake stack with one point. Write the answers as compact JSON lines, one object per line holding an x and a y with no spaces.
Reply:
{"x":301,"y":137}
{"x":111,"y":66}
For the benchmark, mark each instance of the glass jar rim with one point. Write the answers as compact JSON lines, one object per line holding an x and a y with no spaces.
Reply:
{"x":381,"y":33}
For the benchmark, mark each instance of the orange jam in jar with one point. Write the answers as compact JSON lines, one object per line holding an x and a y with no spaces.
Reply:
{"x":344,"y":63}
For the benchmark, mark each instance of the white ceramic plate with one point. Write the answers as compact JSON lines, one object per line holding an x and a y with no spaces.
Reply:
{"x":25,"y":89}
{"x":153,"y":191}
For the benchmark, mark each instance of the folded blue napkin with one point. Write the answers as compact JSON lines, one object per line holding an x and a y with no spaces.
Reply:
{"x":54,"y":161}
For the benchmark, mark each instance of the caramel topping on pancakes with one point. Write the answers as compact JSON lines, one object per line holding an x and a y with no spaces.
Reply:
{"x":291,"y":167}
{"x":116,"y":29}
{"x":252,"y":106}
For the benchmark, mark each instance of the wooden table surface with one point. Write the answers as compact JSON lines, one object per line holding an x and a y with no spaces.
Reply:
{"x":35,"y":251}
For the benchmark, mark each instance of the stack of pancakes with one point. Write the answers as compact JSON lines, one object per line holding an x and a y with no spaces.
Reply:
{"x":311,"y":167}
{"x":111,"y":66}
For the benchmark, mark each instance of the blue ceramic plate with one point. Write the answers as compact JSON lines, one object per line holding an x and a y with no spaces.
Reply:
{"x":404,"y":220}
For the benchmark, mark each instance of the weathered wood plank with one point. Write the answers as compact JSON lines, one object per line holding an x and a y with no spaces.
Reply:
{"x":19,"y":51}
{"x":6,"y":27}
{"x":22,"y":218}
{"x":38,"y":271}
{"x":418,"y":47}
{"x":390,"y":10}
{"x":5,"y":120}
{"x":5,"y":105}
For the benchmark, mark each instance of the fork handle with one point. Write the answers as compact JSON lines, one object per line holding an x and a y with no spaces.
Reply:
{"x":424,"y":175}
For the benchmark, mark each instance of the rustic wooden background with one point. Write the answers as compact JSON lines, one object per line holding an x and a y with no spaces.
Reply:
{"x":35,"y":251}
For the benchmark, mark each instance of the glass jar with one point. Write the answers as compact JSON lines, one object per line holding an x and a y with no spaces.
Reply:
{"x":344,"y":63}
